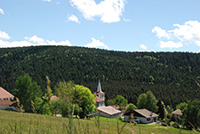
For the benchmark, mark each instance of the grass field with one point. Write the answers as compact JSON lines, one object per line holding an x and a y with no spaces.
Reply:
{"x":25,"y":123}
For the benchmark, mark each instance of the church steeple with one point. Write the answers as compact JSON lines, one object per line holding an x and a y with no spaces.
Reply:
{"x":100,"y":96}
{"x":99,"y":87}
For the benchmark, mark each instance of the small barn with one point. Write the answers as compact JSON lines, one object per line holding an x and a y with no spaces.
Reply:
{"x":109,"y":112}
{"x":6,"y":99}
{"x":141,"y":115}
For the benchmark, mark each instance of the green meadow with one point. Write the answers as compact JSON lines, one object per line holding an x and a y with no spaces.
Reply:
{"x":25,"y":123}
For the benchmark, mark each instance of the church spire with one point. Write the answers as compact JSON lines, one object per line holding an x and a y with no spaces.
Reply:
{"x":99,"y":87}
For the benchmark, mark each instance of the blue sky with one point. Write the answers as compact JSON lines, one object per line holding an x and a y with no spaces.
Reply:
{"x":122,"y":25}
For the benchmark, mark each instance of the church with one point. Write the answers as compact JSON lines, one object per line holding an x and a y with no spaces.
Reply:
{"x":105,"y":111}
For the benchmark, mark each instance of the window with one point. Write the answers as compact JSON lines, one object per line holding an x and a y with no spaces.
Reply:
{"x":148,"y":119}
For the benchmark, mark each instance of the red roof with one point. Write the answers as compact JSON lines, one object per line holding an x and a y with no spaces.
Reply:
{"x":54,"y":98}
{"x":5,"y":94}
{"x":177,"y":112}
{"x":6,"y":102}
{"x":98,"y":92}
{"x":98,"y":99}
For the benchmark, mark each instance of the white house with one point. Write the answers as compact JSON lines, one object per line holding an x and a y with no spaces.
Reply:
{"x":5,"y":99}
{"x":141,"y":115}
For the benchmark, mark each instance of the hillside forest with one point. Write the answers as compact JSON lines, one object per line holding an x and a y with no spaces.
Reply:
{"x":171,"y":77}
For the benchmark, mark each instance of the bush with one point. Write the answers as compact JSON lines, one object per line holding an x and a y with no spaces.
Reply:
{"x":176,"y":125}
{"x":164,"y":124}
{"x":172,"y":123}
{"x":135,"y":123}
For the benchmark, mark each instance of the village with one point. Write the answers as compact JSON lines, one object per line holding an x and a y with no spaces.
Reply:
{"x":140,"y":116}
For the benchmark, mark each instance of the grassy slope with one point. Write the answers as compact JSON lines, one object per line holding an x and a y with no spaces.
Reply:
{"x":12,"y":122}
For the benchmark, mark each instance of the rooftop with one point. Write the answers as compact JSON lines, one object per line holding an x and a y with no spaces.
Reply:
{"x":146,"y":113}
{"x":109,"y":110}
{"x":54,"y":98}
{"x":5,"y":94}
{"x":177,"y":112}
{"x":98,"y":99}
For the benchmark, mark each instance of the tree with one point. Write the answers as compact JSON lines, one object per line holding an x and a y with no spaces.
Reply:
{"x":131,"y":107}
{"x":120,"y":101}
{"x":182,"y":106}
{"x":147,"y":101}
{"x":191,"y":114}
{"x":27,"y":91}
{"x":83,"y":97}
{"x":75,"y":97}
{"x":141,"y":102}
{"x":162,"y":111}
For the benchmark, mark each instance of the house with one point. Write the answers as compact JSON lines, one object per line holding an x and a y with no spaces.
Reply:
{"x":109,"y":112}
{"x":177,"y":113}
{"x":5,"y":99}
{"x":54,"y":98}
{"x":100,"y":96}
{"x":141,"y":116}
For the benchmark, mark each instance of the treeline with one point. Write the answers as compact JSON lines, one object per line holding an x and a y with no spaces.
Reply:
{"x":172,"y":77}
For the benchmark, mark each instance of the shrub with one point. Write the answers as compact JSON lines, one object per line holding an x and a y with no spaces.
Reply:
{"x":176,"y":125}
{"x":164,"y":124}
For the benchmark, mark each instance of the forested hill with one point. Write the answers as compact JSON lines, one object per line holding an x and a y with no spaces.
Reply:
{"x":172,"y":77}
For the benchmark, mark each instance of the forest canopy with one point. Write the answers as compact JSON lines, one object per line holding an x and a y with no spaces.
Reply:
{"x":172,"y":77}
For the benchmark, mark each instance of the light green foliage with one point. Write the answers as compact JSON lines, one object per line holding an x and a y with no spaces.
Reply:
{"x":169,"y":109}
{"x":141,"y":102}
{"x":63,"y":89}
{"x":182,"y":106}
{"x":83,"y":97}
{"x":121,"y":101}
{"x":148,"y":101}
{"x":131,"y":107}
{"x":76,"y":97}
{"x":26,"y":91}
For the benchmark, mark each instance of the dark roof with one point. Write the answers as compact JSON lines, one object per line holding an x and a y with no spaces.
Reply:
{"x":109,"y":110}
{"x":177,"y":112}
{"x":5,"y":94}
{"x":98,"y":99}
{"x":142,"y":112}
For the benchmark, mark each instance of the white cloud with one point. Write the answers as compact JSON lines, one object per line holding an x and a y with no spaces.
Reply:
{"x":29,"y":41}
{"x":63,"y":43}
{"x":188,"y":33}
{"x":4,"y":35}
{"x":170,"y":44}
{"x":198,"y":51}
{"x":47,"y":0}
{"x":108,"y":10}
{"x":143,"y":46}
{"x":96,"y":44}
{"x":160,"y":33}
{"x":1,"y":11}
{"x":35,"y":39}
{"x":74,"y":19}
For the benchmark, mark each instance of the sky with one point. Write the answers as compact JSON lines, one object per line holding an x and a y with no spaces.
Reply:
{"x":120,"y":25}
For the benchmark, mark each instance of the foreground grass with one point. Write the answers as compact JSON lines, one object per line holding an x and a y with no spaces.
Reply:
{"x":25,"y":123}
